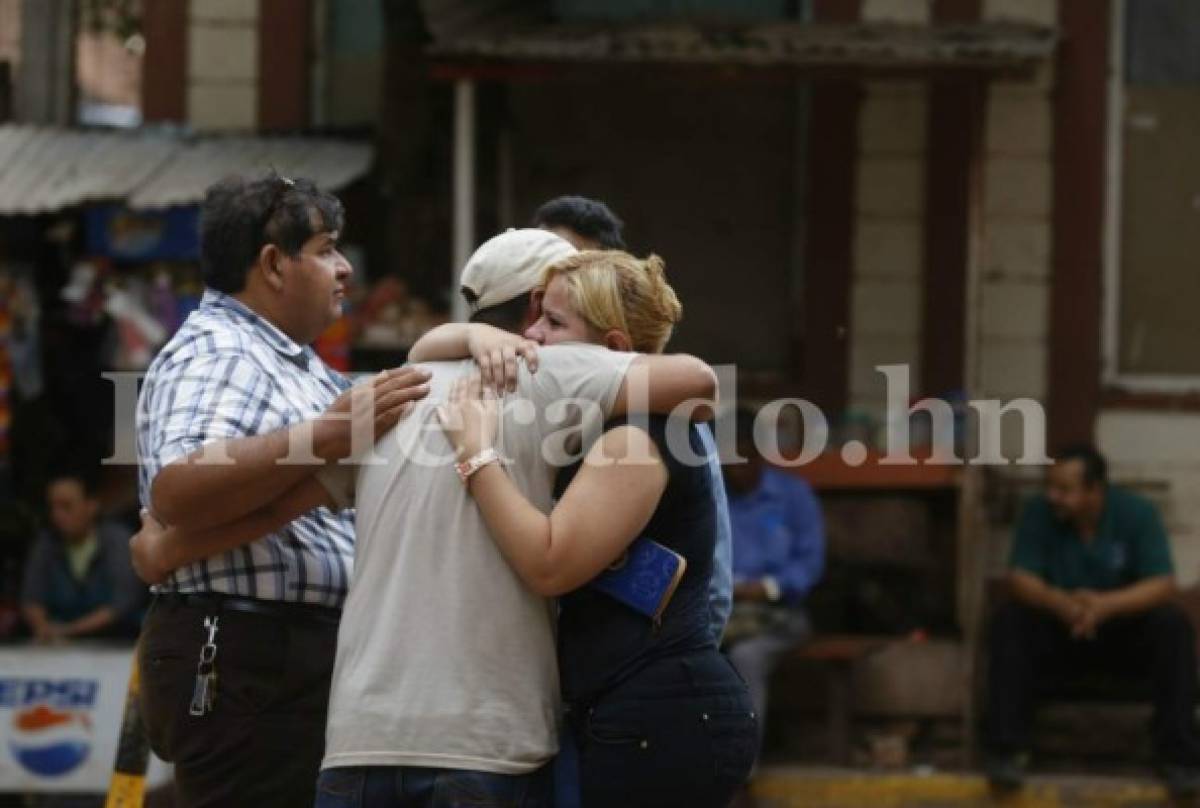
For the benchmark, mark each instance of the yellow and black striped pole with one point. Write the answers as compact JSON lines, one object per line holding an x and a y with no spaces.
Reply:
{"x":127,"y":789}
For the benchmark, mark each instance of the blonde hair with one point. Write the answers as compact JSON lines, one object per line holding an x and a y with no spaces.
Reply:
{"x":611,"y":289}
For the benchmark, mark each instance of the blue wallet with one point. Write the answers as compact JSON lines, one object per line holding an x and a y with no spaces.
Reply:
{"x":644,"y":577}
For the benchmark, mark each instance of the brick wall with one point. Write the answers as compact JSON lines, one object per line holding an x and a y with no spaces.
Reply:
{"x":1014,"y":263}
{"x":222,"y":84}
{"x":1149,"y":449}
{"x":1017,"y":220}
{"x":886,"y":292}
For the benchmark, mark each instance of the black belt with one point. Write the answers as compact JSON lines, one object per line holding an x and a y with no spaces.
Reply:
{"x":276,"y":609}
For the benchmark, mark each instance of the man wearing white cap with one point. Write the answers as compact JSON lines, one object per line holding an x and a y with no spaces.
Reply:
{"x":446,"y":672}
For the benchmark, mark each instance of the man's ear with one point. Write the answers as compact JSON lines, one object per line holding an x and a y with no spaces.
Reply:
{"x":617,"y":340}
{"x":269,"y":263}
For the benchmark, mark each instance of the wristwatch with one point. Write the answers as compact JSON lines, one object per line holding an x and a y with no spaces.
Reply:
{"x":473,"y":464}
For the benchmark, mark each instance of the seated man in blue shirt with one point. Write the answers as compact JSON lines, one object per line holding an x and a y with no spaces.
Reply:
{"x":78,"y":579}
{"x":778,"y":556}
{"x":1092,"y":583}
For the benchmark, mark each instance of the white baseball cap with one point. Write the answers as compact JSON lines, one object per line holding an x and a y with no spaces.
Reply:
{"x":511,"y":264}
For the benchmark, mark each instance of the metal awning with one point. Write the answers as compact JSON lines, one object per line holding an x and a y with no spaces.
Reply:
{"x":986,"y":46}
{"x":44,"y":169}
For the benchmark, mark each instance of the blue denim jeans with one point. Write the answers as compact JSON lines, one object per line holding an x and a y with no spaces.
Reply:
{"x":679,"y":733}
{"x":566,"y":772}
{"x":411,"y":787}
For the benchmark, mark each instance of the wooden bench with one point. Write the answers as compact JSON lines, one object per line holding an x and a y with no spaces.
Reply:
{"x":838,"y":653}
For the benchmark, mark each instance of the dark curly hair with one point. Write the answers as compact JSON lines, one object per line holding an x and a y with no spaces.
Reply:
{"x":240,"y":215}
{"x":589,"y":218}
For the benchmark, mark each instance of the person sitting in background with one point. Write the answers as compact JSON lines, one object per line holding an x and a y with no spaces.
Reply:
{"x":1092,"y":581}
{"x":78,"y":578}
{"x":778,"y":557}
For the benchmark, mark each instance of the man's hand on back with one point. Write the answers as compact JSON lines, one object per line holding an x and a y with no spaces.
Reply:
{"x":368,"y":410}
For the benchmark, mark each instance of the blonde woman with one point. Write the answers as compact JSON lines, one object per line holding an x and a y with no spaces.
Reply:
{"x":660,"y":717}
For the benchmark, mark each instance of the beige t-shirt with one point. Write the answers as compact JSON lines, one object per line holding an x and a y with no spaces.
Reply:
{"x":444,"y":658}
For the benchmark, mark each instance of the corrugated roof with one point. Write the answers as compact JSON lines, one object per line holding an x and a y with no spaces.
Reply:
{"x":43,"y":169}
{"x":996,"y":45}
{"x":331,"y":164}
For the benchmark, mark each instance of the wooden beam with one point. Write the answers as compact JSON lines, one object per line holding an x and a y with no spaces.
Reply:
{"x":284,"y":33}
{"x":956,"y":11}
{"x":1080,"y":111}
{"x":952,"y":142}
{"x":829,"y":249}
{"x":164,"y":67}
{"x":836,"y":10}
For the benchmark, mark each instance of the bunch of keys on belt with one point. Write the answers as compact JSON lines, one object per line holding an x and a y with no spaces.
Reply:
{"x":206,"y":675}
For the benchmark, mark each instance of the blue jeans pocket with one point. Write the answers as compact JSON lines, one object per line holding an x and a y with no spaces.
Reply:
{"x":340,"y":788}
{"x":472,"y":789}
{"x":733,"y":735}
{"x":614,"y":727}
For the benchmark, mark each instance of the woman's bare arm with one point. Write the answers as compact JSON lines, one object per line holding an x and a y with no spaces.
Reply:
{"x":607,"y":505}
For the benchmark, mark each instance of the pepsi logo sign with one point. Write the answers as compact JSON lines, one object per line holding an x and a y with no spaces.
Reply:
{"x":51,"y":723}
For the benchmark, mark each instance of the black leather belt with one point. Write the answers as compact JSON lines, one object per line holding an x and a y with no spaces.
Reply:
{"x":276,"y":609}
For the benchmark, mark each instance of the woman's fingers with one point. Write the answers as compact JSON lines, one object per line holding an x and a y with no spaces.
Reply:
{"x":529,"y":350}
{"x":484,"y":360}
{"x":511,"y":369}
{"x":498,"y":371}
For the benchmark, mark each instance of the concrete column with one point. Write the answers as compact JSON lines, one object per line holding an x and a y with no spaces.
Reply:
{"x":45,"y":78}
{"x":464,"y":189}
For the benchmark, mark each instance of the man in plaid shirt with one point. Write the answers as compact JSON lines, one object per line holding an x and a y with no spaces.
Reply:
{"x":235,"y":411}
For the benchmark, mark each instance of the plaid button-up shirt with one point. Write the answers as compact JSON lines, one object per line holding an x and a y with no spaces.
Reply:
{"x":228,"y":373}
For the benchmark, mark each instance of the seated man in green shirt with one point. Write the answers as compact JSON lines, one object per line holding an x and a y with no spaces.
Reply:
{"x":1092,"y":581}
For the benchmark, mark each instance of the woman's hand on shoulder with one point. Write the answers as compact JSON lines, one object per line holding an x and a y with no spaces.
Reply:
{"x":498,"y":354}
{"x":470,"y":416}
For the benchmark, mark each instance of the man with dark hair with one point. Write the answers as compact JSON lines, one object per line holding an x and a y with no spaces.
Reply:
{"x":235,"y":411}
{"x":587,"y":223}
{"x":78,"y":582}
{"x":1092,"y":582}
